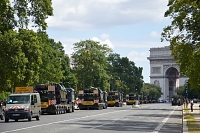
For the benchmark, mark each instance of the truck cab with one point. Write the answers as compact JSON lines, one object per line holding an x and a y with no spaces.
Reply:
{"x":23,"y":105}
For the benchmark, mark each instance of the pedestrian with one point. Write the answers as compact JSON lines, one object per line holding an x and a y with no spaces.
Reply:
{"x":1,"y":112}
{"x":191,"y":105}
{"x":186,"y":103}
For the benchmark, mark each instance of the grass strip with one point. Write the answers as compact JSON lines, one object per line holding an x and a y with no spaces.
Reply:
{"x":193,"y":126}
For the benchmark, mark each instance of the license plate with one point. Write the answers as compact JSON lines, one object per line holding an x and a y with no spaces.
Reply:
{"x":16,"y":115}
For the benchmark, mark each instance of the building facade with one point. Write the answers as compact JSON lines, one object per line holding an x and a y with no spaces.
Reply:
{"x":164,"y":72}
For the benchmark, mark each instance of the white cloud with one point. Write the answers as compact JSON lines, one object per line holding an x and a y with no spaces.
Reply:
{"x":140,"y":60}
{"x":105,"y":36}
{"x":155,"y":34}
{"x":138,"y":56}
{"x":105,"y":39}
{"x":90,"y":14}
{"x":140,"y":44}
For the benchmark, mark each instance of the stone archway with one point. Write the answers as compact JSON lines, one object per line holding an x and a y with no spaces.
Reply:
{"x":172,"y":75}
{"x":164,"y":71}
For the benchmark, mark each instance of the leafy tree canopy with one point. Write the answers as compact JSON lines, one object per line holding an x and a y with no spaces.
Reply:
{"x":125,"y":71}
{"x":151,"y":90}
{"x":89,"y":58}
{"x":23,"y":13}
{"x":184,"y":37}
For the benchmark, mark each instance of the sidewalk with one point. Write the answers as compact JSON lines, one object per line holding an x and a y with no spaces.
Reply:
{"x":195,"y":113}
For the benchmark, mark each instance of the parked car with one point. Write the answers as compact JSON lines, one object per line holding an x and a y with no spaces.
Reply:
{"x":160,"y":101}
{"x":195,"y":100}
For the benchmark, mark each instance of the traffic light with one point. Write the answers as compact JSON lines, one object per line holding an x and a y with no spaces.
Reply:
{"x":136,"y":87}
{"x":186,"y":90}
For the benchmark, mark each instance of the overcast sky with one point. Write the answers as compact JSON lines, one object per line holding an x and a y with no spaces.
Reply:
{"x":129,"y":27}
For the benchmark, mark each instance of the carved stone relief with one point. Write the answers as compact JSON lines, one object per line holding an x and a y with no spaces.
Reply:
{"x":157,"y":83}
{"x":156,"y":70}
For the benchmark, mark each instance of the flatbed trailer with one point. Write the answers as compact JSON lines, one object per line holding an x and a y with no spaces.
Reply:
{"x":55,"y":99}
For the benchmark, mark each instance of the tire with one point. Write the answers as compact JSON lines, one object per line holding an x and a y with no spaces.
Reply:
{"x":16,"y":120}
{"x":29,"y":118}
{"x":64,"y":109}
{"x":6,"y":119}
{"x":2,"y":116}
{"x":56,"y":113}
{"x":38,"y":117}
{"x":69,"y":110}
{"x":73,"y":108}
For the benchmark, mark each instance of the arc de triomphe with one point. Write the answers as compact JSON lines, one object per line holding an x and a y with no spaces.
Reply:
{"x":164,"y":71}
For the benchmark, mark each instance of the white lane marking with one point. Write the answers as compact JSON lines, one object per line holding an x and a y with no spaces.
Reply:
{"x":157,"y":129}
{"x":61,"y":121}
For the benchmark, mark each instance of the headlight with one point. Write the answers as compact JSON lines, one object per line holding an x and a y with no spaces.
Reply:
{"x":6,"y":109}
{"x":26,"y":109}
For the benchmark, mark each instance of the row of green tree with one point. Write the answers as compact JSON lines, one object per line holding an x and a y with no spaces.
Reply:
{"x":187,"y":92}
{"x":29,"y":57}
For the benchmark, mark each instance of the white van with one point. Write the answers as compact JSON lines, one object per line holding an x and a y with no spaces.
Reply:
{"x":23,"y":106}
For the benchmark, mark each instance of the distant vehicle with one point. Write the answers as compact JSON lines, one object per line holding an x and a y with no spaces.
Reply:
{"x":115,"y":98}
{"x":195,"y":100}
{"x":177,"y":100}
{"x":130,"y":99}
{"x":92,"y":98}
{"x":23,"y":104}
{"x":160,"y":101}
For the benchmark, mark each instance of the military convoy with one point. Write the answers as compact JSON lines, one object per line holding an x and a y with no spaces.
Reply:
{"x":30,"y":102}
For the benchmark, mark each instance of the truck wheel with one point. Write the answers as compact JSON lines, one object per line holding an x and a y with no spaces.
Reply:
{"x":6,"y":119}
{"x":16,"y":120}
{"x":38,"y":117}
{"x":69,"y":110}
{"x":29,"y":118}
{"x":64,"y":110}
{"x":2,"y":116}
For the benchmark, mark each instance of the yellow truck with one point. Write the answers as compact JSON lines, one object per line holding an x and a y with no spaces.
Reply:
{"x":130,"y":99}
{"x":55,"y":98}
{"x":114,"y":98}
{"x":92,"y":98}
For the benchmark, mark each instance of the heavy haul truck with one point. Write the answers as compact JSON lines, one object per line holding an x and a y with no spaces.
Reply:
{"x":130,"y":99}
{"x":92,"y":98}
{"x":55,"y":99}
{"x":177,"y":100}
{"x":115,"y":98}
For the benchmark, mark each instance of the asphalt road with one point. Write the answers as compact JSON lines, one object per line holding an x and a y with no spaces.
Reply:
{"x":149,"y":118}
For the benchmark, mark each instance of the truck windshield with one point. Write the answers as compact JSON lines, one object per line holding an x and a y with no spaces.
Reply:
{"x":111,"y":98}
{"x":88,"y":97}
{"x":43,"y":95}
{"x":131,"y":97}
{"x":23,"y":99}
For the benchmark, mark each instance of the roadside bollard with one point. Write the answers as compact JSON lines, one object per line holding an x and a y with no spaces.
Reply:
{"x":199,"y":109}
